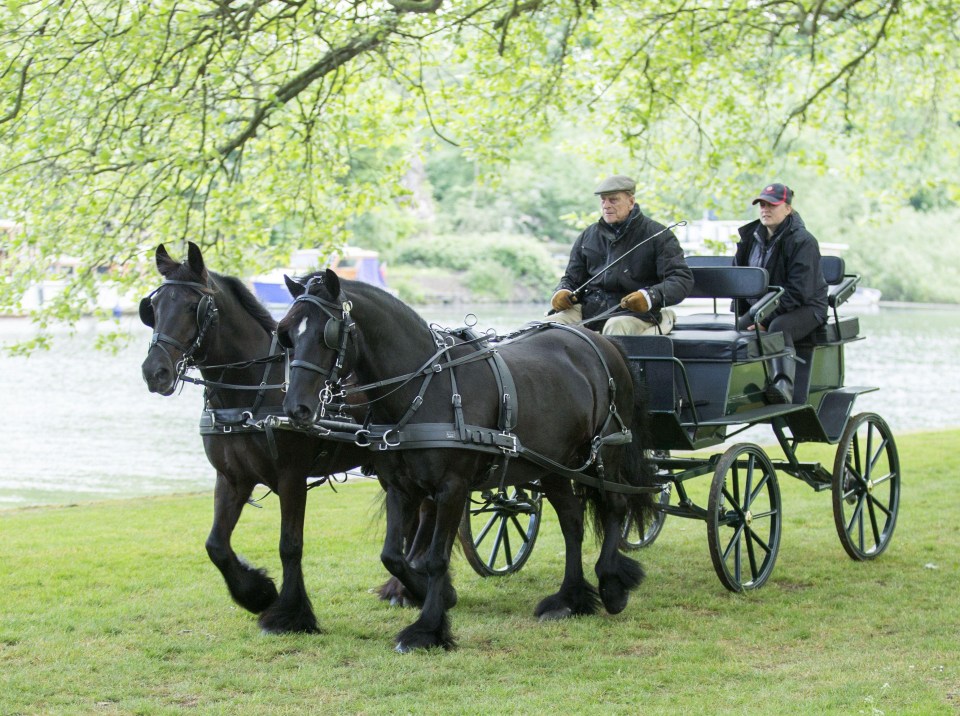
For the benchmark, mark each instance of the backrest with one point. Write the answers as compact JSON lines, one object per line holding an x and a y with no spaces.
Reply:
{"x":728,"y":282}
{"x":701,"y":261}
{"x":833,"y":269}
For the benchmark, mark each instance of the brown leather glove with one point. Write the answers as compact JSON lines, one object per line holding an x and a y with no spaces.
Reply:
{"x":562,"y":300}
{"x":636,"y":301}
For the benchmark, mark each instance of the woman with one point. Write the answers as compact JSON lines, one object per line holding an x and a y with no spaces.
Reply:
{"x":779,"y":242}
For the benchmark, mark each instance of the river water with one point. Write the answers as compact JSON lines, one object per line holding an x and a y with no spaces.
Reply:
{"x":82,"y":426}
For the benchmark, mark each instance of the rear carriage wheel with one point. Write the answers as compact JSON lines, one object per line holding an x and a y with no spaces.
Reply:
{"x":630,"y":537}
{"x":498,"y":530}
{"x":866,"y":486}
{"x":744,"y":518}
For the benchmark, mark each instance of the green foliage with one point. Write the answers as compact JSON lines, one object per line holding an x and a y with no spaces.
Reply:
{"x":493,"y":266}
{"x":115,"y":608}
{"x":250,"y":127}
{"x":912,"y":259}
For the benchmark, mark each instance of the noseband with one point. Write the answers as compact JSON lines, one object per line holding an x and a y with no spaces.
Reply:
{"x":206,"y":314}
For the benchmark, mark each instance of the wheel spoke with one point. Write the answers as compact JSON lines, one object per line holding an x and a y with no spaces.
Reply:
{"x":520,"y":530}
{"x":495,"y":550}
{"x":857,"y":513}
{"x":486,"y":528}
{"x":886,"y":478}
{"x":873,"y":520}
{"x":751,"y":555}
{"x":760,"y":486}
{"x":747,"y":494}
{"x":734,"y":541}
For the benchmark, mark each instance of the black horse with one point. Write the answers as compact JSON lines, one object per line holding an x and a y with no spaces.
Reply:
{"x":212,"y":321}
{"x":565,"y":395}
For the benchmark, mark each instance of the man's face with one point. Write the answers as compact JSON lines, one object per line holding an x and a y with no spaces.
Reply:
{"x":615,"y":206}
{"x":772,"y":215}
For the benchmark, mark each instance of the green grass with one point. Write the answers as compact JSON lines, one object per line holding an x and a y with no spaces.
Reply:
{"x":113,"y":608}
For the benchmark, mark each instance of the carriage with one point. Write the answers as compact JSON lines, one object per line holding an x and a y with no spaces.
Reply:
{"x":697,"y":388}
{"x":704,"y":383}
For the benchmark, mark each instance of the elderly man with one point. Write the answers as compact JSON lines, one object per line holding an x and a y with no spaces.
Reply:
{"x":641,"y":286}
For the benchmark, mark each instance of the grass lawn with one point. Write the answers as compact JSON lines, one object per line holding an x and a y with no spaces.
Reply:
{"x":113,"y":608}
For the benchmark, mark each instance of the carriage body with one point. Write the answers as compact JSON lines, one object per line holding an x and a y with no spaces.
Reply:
{"x":705,"y":385}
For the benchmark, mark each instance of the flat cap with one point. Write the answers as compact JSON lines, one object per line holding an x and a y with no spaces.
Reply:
{"x":618,"y":182}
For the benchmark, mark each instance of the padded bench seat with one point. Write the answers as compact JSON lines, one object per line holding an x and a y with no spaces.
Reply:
{"x":832,"y":331}
{"x":704,"y":322}
{"x":728,"y":345}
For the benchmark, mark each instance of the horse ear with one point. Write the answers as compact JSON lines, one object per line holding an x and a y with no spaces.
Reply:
{"x":165,"y":264}
{"x":332,"y":282}
{"x":296,"y":289}
{"x":195,"y":260}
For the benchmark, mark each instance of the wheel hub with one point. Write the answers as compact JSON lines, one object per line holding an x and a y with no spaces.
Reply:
{"x":748,"y":518}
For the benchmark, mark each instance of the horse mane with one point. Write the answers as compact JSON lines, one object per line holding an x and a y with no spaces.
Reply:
{"x":233,"y":286}
{"x":359,"y":288}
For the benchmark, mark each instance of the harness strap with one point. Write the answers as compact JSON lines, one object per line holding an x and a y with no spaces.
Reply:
{"x":419,"y":436}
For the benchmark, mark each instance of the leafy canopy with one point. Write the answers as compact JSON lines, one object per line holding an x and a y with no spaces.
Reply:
{"x":252,"y":127}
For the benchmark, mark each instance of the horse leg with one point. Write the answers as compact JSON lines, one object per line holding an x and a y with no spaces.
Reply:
{"x":250,"y":587}
{"x":576,"y":595}
{"x":419,"y":534}
{"x":617,"y":574}
{"x":292,"y":611}
{"x":400,"y":515}
{"x":432,"y":628}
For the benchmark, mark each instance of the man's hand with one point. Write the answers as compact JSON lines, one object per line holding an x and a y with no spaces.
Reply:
{"x":562,"y":300}
{"x":637,"y":301}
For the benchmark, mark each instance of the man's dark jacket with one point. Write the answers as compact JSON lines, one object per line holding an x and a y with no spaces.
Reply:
{"x":793,"y":264}
{"x":658,"y":266}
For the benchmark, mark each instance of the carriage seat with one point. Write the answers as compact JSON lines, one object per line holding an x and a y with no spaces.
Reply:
{"x":840,"y":286}
{"x":724,"y":345}
{"x":715,"y":277}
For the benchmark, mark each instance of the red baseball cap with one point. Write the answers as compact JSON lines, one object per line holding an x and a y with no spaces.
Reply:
{"x":775,"y":194}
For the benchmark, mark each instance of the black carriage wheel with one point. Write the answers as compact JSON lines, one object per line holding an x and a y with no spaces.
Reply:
{"x":498,"y":531}
{"x":866,"y":486}
{"x":631,"y":539}
{"x":744,"y":518}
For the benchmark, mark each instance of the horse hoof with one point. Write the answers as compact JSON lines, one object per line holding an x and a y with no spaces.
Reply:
{"x":556,"y":614}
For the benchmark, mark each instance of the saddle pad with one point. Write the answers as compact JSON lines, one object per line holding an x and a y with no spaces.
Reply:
{"x":724,"y":345}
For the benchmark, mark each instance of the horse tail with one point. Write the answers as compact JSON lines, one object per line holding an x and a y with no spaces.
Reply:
{"x":635,"y":469}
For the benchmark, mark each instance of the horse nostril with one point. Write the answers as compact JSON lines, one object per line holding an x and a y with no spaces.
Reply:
{"x":302,"y":415}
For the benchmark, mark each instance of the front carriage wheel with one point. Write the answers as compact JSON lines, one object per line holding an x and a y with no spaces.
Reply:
{"x":498,"y":530}
{"x":744,"y":518}
{"x":630,"y":537}
{"x":866,"y":486}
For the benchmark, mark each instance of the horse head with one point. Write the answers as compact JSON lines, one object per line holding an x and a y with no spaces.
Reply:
{"x":317,"y":331}
{"x":181,"y":312}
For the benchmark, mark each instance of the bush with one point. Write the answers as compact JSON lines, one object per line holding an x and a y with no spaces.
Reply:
{"x":914,"y":259}
{"x":494,"y":265}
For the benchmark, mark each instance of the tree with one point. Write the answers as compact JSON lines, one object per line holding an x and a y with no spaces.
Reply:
{"x":124,"y":124}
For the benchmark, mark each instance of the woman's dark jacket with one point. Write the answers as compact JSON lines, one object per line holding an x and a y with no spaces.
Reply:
{"x":793,"y":264}
{"x":658,"y":266}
